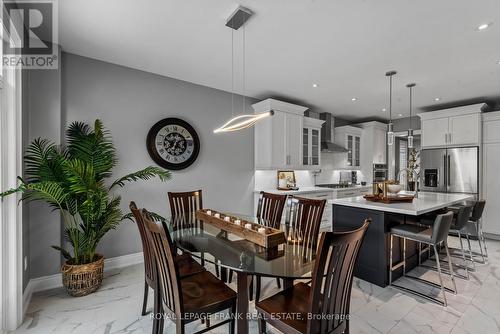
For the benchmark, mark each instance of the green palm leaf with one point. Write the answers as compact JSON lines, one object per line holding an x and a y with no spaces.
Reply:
{"x":144,"y":174}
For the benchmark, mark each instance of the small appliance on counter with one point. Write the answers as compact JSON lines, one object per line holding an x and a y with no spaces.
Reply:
{"x":286,"y":180}
{"x":380,"y":172}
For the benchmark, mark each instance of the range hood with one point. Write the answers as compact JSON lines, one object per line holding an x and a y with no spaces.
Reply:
{"x":327,"y":135}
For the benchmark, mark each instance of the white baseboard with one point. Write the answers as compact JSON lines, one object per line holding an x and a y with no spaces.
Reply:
{"x":55,"y":281}
{"x":491,"y":236}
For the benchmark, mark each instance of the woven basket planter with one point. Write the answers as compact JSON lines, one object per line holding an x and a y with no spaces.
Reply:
{"x":83,"y":279}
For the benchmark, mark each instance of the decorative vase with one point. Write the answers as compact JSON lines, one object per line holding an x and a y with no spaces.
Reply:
{"x":411,"y":185}
{"x":83,"y":279}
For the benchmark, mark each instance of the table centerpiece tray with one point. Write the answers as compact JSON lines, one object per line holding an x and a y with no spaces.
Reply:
{"x":390,"y":199}
{"x":267,"y":237}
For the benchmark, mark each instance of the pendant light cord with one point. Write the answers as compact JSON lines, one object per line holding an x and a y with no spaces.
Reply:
{"x":232,"y":72}
{"x":244,"y":70}
{"x":410,"y":105}
{"x":390,"y":98}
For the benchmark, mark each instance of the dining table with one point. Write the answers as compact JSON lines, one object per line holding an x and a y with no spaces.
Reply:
{"x":215,"y":246}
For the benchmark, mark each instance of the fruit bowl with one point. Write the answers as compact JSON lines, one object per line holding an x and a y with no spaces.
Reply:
{"x":394,"y":188}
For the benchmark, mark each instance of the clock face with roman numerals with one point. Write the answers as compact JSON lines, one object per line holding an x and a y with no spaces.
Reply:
{"x":173,"y":143}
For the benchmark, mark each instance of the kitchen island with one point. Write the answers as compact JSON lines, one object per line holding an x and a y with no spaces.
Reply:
{"x":373,"y":261}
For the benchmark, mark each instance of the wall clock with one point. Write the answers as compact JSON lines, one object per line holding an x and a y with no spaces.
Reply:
{"x":173,"y":143}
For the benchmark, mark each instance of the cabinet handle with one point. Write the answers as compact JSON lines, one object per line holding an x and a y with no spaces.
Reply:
{"x":446,"y":138}
{"x":450,"y":137}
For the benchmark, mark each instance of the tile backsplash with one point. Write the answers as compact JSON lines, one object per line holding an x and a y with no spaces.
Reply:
{"x":267,"y":179}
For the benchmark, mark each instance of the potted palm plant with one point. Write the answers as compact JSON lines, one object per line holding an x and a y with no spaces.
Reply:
{"x":74,"y":180}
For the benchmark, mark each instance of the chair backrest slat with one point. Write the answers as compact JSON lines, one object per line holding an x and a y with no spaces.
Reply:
{"x":167,"y":272}
{"x":332,"y":280}
{"x":149,"y":261}
{"x":303,"y":219}
{"x":270,"y":209}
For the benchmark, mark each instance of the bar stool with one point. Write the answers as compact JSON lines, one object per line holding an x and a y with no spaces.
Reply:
{"x":476,"y":220}
{"x":432,"y":236}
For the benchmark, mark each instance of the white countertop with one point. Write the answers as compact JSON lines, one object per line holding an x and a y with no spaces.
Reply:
{"x":303,"y":190}
{"x":426,"y":202}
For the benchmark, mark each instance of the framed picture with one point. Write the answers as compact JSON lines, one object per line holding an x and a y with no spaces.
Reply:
{"x":286,"y":179}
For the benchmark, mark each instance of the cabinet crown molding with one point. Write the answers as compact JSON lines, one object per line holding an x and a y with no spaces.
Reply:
{"x":457,"y":111}
{"x":277,"y":105}
{"x":313,"y":122}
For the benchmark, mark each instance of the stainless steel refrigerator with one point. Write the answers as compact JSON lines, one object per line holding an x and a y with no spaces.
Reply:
{"x":451,"y":170}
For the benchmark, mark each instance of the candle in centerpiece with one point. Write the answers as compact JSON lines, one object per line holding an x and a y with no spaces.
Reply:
{"x":228,"y":219}
{"x":237,"y":222}
{"x":217,"y":215}
{"x":209,"y":212}
{"x":262,"y":230}
{"x":248,"y":226}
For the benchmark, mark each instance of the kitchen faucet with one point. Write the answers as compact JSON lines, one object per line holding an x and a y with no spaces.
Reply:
{"x":415,"y":194}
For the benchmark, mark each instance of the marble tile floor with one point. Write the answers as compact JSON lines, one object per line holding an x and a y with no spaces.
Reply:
{"x":115,"y":308}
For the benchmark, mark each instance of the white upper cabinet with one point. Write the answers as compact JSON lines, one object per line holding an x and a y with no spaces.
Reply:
{"x":464,"y":130}
{"x":311,"y":142}
{"x":435,"y":132}
{"x":349,"y":137}
{"x":452,"y":127}
{"x":278,"y":139}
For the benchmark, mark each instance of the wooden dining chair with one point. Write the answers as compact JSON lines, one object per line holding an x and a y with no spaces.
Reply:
{"x":187,"y":265}
{"x":322,"y":307}
{"x":269,"y":213}
{"x":184,"y":299}
{"x":184,"y":203}
{"x":303,"y":219}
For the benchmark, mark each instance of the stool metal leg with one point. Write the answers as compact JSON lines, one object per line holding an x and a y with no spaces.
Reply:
{"x":466,"y":267}
{"x":404,"y":256}
{"x":470,"y":251}
{"x":390,"y":259}
{"x":479,"y":242}
{"x":450,"y":265}
{"x":480,"y":225}
{"x":439,"y":274}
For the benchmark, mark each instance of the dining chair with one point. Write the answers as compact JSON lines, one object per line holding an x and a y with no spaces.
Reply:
{"x":185,"y":299}
{"x":187,"y":265}
{"x":184,"y":203}
{"x":269,"y":214}
{"x":303,"y":219}
{"x":322,"y":307}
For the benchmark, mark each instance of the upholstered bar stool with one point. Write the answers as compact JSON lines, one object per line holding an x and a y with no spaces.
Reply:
{"x":476,"y":220}
{"x":432,"y":236}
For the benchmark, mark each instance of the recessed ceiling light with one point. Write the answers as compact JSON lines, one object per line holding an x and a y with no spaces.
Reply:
{"x":315,"y":85}
{"x":383,"y":109}
{"x":484,"y":26}
{"x":400,"y":115}
{"x":354,"y":99}
{"x":437,"y":99}
{"x":498,"y":62}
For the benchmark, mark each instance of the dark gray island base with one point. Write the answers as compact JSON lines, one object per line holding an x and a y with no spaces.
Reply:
{"x":373,"y":261}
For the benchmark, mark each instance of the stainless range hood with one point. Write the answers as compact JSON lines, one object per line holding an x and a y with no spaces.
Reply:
{"x":327,"y":135}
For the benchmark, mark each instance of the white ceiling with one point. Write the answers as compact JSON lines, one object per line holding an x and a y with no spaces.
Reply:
{"x":345,"y":46}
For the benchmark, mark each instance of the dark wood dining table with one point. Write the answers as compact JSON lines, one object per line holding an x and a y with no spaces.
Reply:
{"x":288,"y":261}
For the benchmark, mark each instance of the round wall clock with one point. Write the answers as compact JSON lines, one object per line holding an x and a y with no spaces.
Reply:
{"x":173,"y":144}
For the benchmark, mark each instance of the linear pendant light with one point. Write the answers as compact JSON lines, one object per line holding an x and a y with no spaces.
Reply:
{"x":390,"y":126}
{"x":410,"y":130}
{"x":235,"y":21}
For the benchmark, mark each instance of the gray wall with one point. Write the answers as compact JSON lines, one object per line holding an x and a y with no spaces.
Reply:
{"x":42,"y":118}
{"x":129,"y":102}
